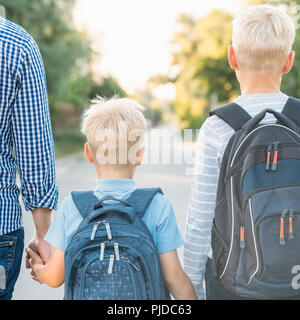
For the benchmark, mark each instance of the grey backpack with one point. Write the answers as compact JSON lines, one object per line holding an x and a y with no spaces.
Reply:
{"x":256,"y":229}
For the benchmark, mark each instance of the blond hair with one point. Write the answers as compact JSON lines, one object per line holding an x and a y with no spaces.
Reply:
{"x":262,"y":39}
{"x":115,"y":130}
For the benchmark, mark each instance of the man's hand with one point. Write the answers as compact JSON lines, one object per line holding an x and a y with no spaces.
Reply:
{"x":34,"y":259}
{"x":42,"y":219}
{"x":41,"y":248}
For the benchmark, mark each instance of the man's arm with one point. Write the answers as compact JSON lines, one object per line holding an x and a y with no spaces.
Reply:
{"x":201,"y":206}
{"x":33,"y":142}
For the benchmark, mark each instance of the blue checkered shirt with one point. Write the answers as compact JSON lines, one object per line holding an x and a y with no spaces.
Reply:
{"x":26,"y":141}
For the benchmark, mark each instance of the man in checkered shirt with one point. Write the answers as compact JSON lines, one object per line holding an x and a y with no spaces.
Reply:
{"x":26,"y":147}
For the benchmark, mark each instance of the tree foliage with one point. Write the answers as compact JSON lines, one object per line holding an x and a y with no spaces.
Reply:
{"x":201,"y":57}
{"x":63,"y":48}
{"x":67,"y":55}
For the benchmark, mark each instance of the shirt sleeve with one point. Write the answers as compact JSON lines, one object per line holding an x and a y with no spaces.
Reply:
{"x":56,"y":234}
{"x":201,"y":206}
{"x":168,"y":236}
{"x":32,"y":133}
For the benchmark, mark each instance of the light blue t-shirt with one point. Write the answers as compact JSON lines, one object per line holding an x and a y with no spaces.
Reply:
{"x":159,"y":217}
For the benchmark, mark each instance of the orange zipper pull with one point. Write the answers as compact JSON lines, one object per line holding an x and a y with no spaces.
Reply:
{"x":291,"y":214}
{"x":275,"y":158}
{"x":268,"y":157}
{"x":242,"y":237}
{"x":281,"y":236}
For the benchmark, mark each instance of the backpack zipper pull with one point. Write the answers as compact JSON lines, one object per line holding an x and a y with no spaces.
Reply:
{"x":108,"y":231}
{"x":242,"y":237}
{"x":111,"y":264}
{"x":131,"y":263}
{"x":268,"y":157}
{"x":102,"y":249}
{"x":94,"y":230}
{"x":117,"y":252}
{"x":275,"y":158}
{"x":291,"y":214}
{"x":281,"y":236}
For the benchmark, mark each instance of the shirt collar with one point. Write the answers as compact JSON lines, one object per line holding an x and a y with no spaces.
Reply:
{"x":115,"y":185}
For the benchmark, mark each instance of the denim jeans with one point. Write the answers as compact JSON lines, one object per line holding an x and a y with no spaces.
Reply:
{"x":11,"y":250}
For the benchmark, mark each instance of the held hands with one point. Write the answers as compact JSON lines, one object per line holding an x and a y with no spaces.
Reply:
{"x":38,"y":252}
{"x":33,"y":259}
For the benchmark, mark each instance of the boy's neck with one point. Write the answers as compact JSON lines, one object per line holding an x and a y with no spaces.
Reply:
{"x":110,"y":172}
{"x":253,"y":83}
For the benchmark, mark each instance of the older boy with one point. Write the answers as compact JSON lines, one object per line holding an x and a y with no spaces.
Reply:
{"x":261,"y":52}
{"x":115,"y":132}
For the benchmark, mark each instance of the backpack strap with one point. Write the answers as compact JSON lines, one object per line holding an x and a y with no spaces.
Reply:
{"x":84,"y":201}
{"x":233,"y":114}
{"x":292,"y":110}
{"x":141,"y":198}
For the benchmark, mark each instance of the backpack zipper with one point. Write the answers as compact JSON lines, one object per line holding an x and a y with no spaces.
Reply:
{"x":130,"y":262}
{"x":263,"y":126}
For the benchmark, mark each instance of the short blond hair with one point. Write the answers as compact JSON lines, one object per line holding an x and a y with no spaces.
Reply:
{"x":115,"y":130}
{"x":262,"y":38}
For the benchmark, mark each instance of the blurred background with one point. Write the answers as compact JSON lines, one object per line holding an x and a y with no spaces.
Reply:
{"x":170,"y":55}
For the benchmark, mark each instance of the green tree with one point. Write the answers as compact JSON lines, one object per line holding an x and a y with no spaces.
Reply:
{"x":204,"y":73}
{"x":65,"y":51}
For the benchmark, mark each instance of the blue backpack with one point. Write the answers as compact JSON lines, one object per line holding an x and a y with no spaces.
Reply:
{"x":112,"y":255}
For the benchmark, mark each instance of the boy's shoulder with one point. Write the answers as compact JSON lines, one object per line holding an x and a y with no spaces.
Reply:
{"x":161,"y":200}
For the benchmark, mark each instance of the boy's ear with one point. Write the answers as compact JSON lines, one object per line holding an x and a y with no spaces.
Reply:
{"x":289,"y":62}
{"x":88,"y":153}
{"x":232,"y":58}
{"x":140,"y":156}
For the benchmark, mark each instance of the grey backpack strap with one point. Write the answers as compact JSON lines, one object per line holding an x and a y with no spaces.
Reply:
{"x":233,"y":114}
{"x":141,"y":198}
{"x":292,"y":110}
{"x":84,"y":201}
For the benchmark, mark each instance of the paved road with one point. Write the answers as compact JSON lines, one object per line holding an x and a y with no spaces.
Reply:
{"x":75,"y":173}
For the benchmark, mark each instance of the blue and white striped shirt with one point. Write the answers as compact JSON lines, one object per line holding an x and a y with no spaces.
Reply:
{"x":213,"y":138}
{"x":26,"y":141}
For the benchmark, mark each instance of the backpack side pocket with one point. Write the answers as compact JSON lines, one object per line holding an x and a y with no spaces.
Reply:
{"x":220,"y":252}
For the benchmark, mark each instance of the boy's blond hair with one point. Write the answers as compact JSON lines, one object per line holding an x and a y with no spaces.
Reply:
{"x":262,"y":39}
{"x":115,"y":130}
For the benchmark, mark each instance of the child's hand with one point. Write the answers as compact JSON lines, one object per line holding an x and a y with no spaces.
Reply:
{"x":34,"y":258}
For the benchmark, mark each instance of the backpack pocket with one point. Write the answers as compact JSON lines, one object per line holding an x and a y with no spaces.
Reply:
{"x":220,"y":252}
{"x":103,"y":280}
{"x":272,"y":237}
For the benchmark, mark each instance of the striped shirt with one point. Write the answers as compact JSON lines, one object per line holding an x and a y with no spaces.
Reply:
{"x":26,"y":142}
{"x":212,"y":140}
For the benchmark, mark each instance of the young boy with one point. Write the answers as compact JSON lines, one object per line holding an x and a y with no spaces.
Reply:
{"x":261,"y":52}
{"x":115,"y":132}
